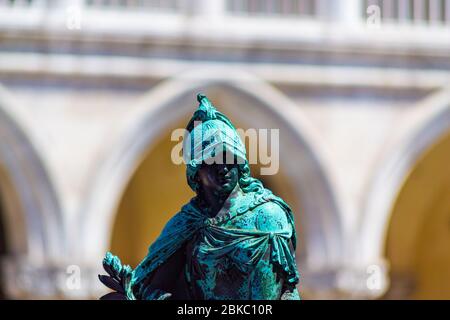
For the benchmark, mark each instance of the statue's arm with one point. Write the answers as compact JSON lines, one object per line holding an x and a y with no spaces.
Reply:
{"x":268,"y":278}
{"x":166,"y":278}
{"x":161,"y":284}
{"x":265,"y":284}
{"x":119,"y":280}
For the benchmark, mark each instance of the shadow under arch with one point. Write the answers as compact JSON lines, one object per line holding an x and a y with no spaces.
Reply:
{"x":423,"y":129}
{"x":31,"y":212}
{"x":172,"y":100}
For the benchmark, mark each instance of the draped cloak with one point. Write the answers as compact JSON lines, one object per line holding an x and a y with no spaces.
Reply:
{"x":223,"y":240}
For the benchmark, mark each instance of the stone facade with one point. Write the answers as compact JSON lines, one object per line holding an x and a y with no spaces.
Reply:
{"x":356,"y":104}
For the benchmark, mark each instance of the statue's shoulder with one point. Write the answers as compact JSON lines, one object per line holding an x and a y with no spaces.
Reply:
{"x":271,"y":216}
{"x":269,"y":212}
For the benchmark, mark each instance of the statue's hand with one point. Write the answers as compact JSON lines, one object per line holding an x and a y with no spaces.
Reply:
{"x":118,"y":279}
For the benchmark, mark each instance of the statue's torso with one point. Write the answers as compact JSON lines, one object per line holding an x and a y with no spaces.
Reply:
{"x":243,"y":252}
{"x":225,"y":276}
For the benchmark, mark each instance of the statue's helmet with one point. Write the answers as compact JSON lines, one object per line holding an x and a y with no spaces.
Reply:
{"x":209,"y":134}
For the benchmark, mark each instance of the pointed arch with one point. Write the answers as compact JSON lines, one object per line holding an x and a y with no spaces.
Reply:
{"x":168,"y":103}
{"x":429,"y":122}
{"x":31,"y":212}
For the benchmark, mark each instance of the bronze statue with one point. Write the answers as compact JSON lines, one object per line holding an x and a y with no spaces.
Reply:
{"x":233,"y":240}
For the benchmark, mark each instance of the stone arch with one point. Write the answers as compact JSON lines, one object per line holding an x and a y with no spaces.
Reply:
{"x":166,"y":104}
{"x":429,"y":121}
{"x":31,"y":212}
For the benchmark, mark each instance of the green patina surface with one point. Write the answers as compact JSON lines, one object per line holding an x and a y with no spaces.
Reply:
{"x":245,"y":251}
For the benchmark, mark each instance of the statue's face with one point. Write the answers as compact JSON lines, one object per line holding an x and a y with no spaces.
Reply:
{"x":218,"y":178}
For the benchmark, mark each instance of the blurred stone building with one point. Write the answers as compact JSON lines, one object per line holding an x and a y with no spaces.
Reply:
{"x":90,"y":92}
